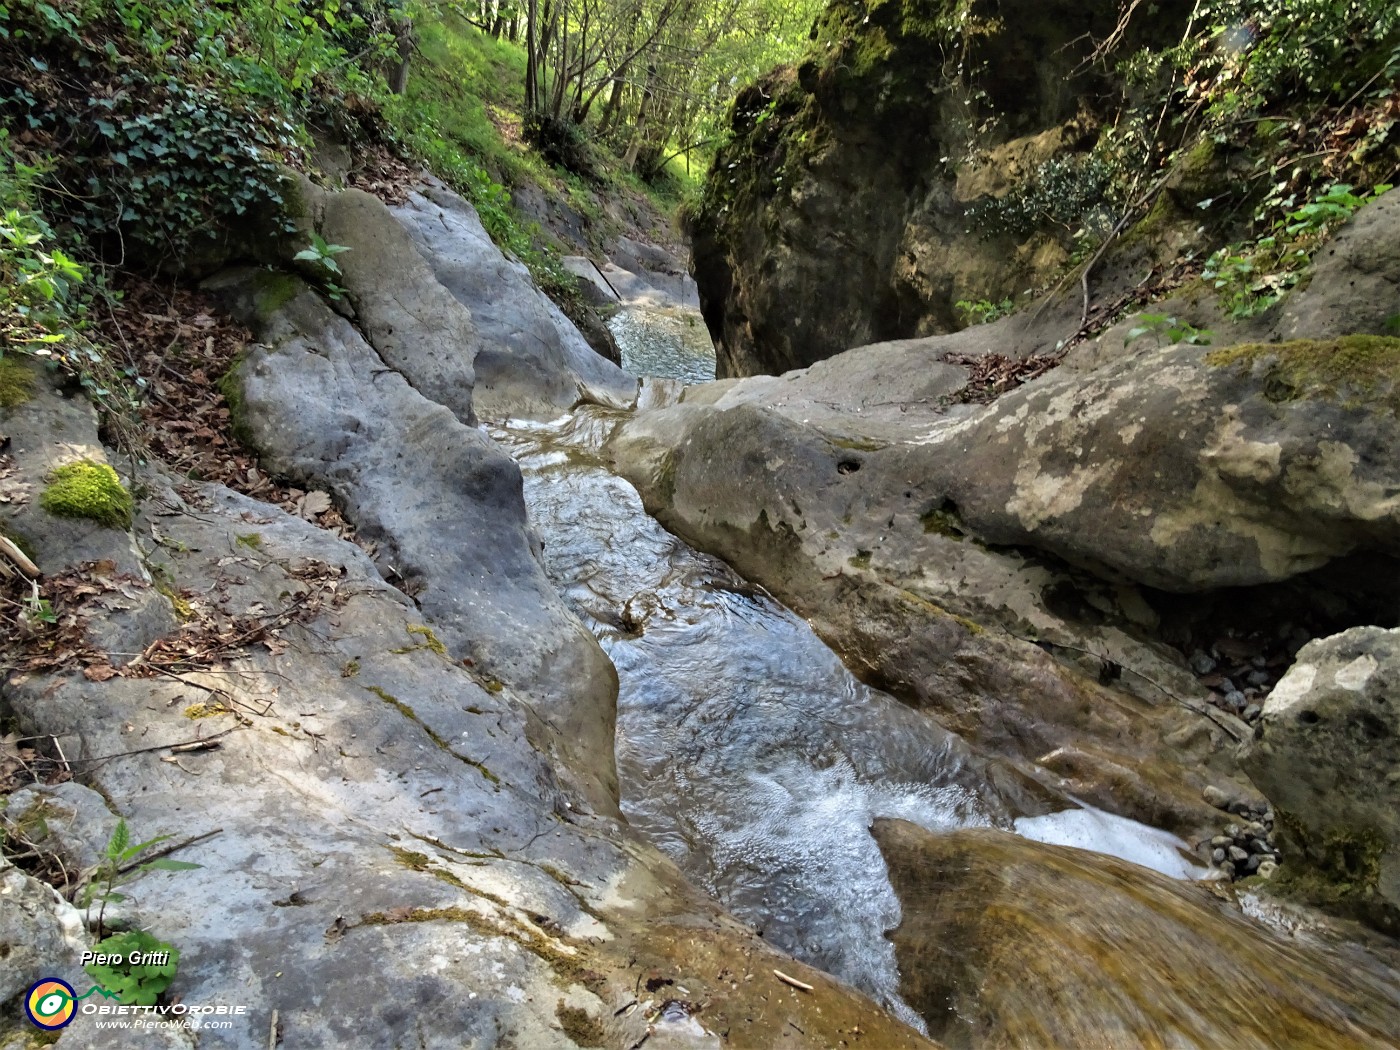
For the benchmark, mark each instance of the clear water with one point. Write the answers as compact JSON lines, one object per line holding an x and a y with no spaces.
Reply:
{"x":670,"y":343}
{"x":745,"y":749}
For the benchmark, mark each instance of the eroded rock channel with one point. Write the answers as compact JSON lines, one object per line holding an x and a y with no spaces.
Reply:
{"x":536,"y":757}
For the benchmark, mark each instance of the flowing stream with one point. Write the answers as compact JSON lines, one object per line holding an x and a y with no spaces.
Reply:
{"x":745,"y":749}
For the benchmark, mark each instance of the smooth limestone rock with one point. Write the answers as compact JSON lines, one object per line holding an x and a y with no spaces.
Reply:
{"x":395,"y":862}
{"x":1328,"y":756}
{"x":443,"y":502}
{"x":48,"y":431}
{"x":529,"y":359}
{"x":1010,"y":943}
{"x":819,"y":487}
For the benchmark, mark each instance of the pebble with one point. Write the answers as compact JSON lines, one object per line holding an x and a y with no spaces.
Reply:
{"x":1227,"y":687}
{"x":1237,"y":855}
{"x":1218,"y":854}
{"x":1267,"y":868}
{"x":1257,"y":677}
{"x":1201,"y":662}
{"x":1254,"y":827}
{"x":1259,"y":661}
{"x":1252,"y":712}
{"x":1252,"y":865}
{"x":1228,"y":869}
{"x":1215,"y":797}
{"x":1236,"y":699}
{"x":1221,"y":841}
{"x":1259,"y":846}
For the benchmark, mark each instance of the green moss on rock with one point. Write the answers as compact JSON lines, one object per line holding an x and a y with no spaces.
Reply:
{"x":87,"y":489}
{"x":232,"y":390}
{"x":1354,"y":369}
{"x":1338,"y":871}
{"x":16,"y":383}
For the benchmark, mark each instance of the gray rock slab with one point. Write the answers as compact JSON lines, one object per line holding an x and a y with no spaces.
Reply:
{"x":444,"y":503}
{"x":529,"y":358}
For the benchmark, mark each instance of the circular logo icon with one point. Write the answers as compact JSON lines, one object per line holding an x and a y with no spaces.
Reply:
{"x":51,"y":1004}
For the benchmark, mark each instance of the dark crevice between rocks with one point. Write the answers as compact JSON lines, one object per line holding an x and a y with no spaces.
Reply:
{"x":1240,"y":641}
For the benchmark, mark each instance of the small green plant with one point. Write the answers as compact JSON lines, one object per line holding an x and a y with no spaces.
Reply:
{"x":118,"y":867}
{"x":1252,"y":277}
{"x":145,"y":970}
{"x":37,"y":609}
{"x":1167,"y":331}
{"x":322,"y":253}
{"x":984,"y":311}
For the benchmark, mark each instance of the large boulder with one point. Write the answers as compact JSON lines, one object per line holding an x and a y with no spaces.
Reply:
{"x":838,"y":212}
{"x":442,"y":502}
{"x":1328,"y":756}
{"x":1010,"y":943}
{"x":529,"y":359}
{"x":962,"y":553}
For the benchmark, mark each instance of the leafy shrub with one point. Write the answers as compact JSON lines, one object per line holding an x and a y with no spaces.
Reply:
{"x":1064,"y":191}
{"x":1252,"y":276}
{"x":135,"y":983}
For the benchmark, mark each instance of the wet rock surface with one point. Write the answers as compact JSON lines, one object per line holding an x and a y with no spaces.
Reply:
{"x":397,"y":847}
{"x":1009,"y":943}
{"x":1325,"y":754}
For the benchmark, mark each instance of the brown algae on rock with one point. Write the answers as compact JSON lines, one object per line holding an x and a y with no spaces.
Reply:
{"x":1353,"y":369}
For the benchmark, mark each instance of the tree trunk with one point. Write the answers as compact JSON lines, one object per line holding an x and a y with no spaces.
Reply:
{"x":404,"y":42}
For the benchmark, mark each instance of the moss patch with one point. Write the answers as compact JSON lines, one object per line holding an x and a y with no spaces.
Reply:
{"x":232,"y":390}
{"x":88,"y":490}
{"x":943,"y":522}
{"x":860,"y":561}
{"x":428,"y":640}
{"x":1355,"y":369}
{"x":580,"y":1025}
{"x":1338,"y":872}
{"x":16,"y":383}
{"x":253,"y":541}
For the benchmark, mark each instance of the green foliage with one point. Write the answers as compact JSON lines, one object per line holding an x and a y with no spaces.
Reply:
{"x":173,"y":116}
{"x":984,"y":311}
{"x":37,"y":280}
{"x":1252,"y":276}
{"x":119,"y":866}
{"x":323,"y":255}
{"x":1167,"y":331}
{"x":86,"y":489}
{"x":135,"y":983}
{"x":1069,"y":191}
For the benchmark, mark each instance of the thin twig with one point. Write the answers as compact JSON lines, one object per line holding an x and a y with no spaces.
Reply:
{"x":133,"y":865}
{"x":160,"y":747}
{"x":793,"y":981}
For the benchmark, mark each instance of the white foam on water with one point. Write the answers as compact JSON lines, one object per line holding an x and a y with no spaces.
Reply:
{"x":1101,"y":832}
